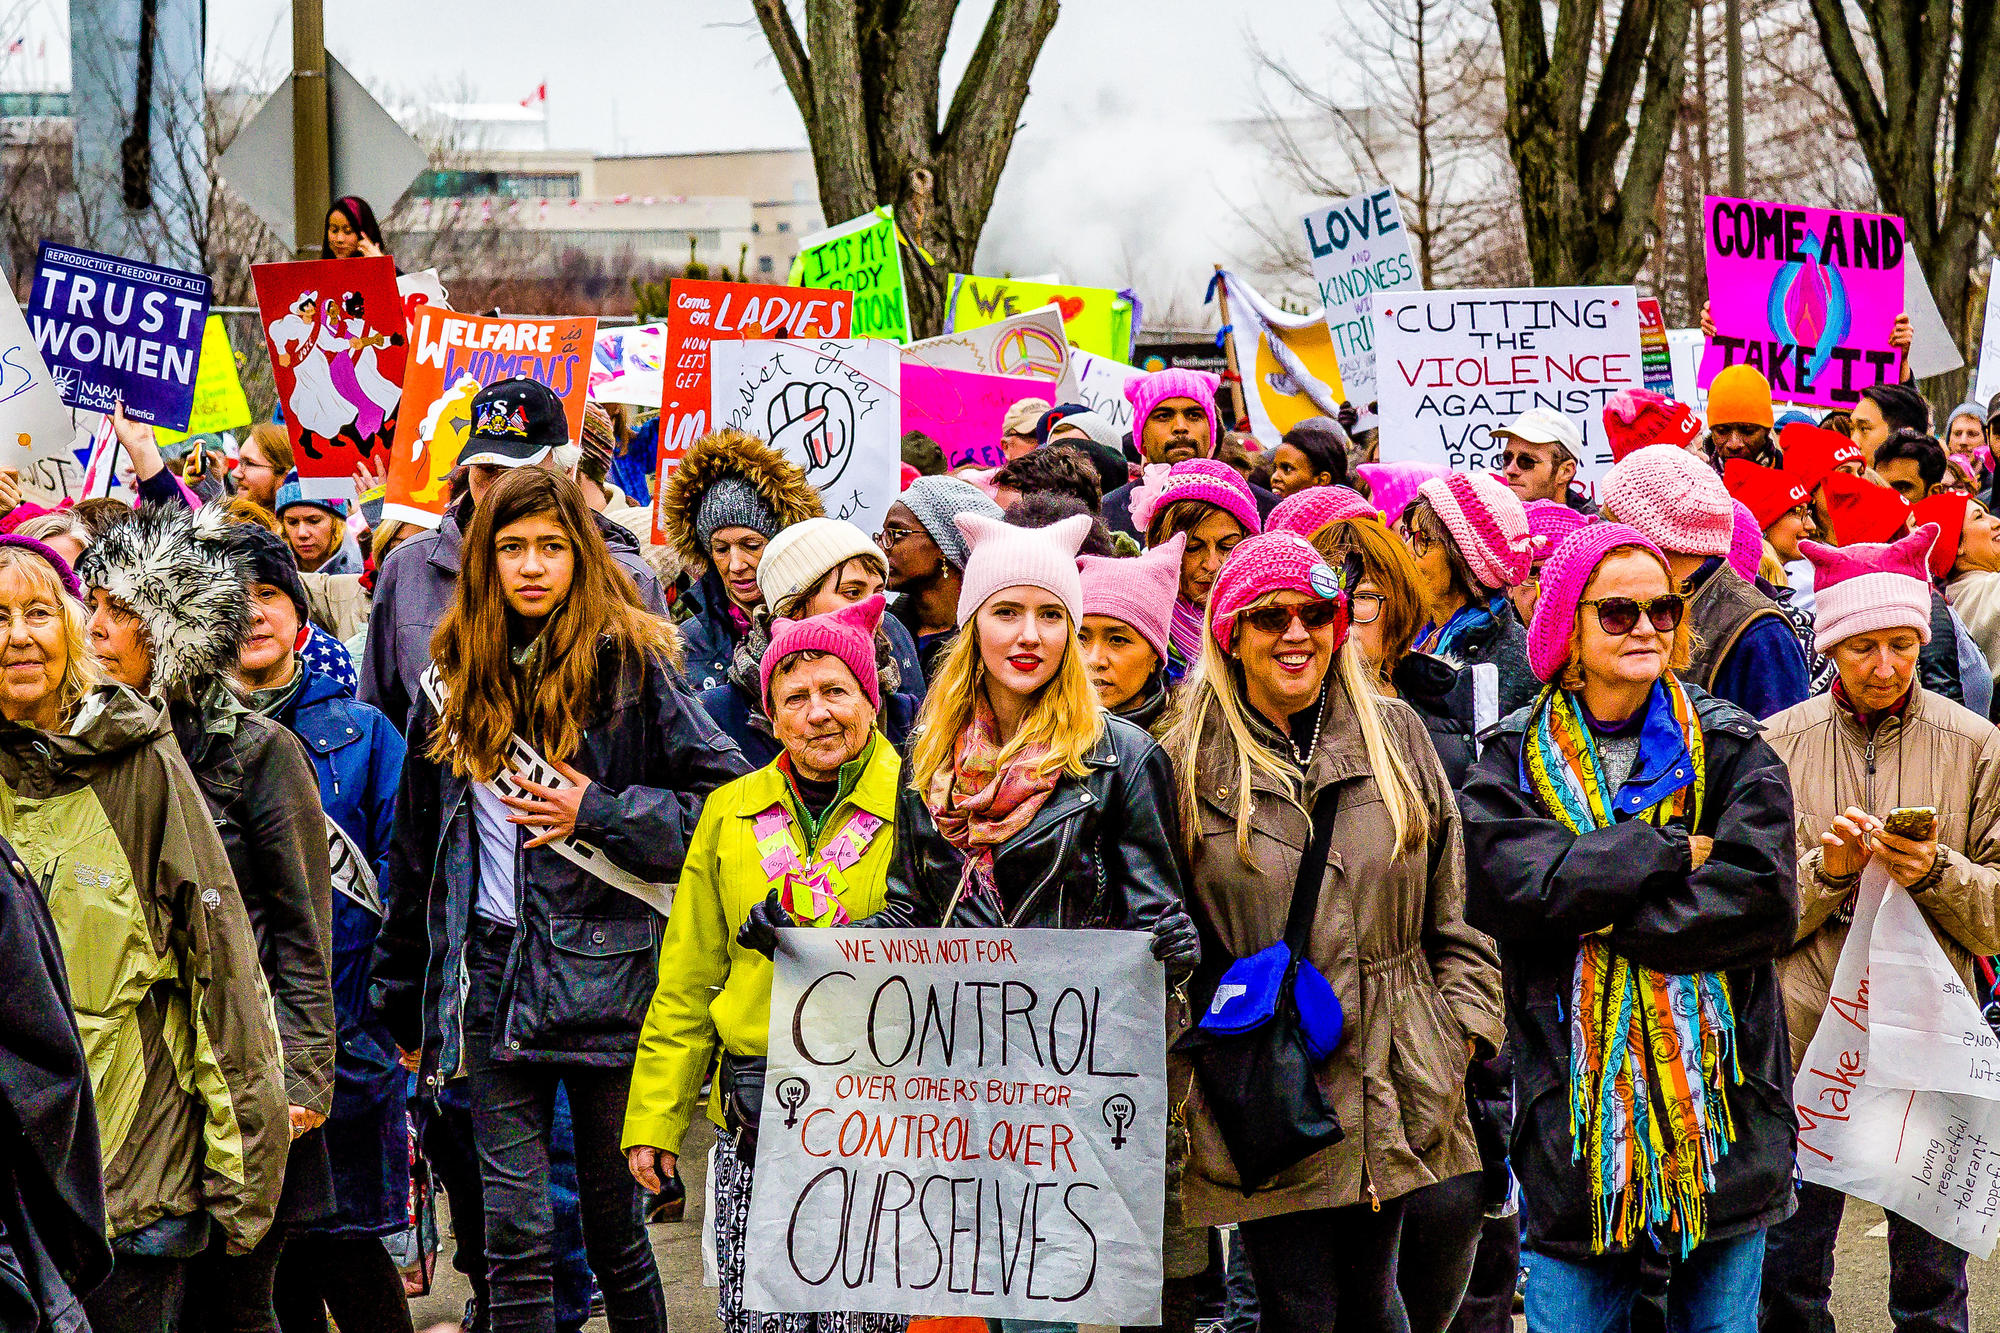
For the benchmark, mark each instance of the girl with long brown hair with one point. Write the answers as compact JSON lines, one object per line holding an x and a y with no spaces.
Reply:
{"x":557,"y":768}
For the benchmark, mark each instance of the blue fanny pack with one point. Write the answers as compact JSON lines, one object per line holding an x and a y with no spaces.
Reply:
{"x":1250,"y":992}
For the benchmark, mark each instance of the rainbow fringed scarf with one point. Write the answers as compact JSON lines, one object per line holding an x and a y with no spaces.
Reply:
{"x":1650,"y":1053}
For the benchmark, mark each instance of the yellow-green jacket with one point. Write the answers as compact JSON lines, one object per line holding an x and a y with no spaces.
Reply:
{"x":721,"y":881}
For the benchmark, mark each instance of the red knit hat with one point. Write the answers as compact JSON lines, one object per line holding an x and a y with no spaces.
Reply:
{"x":1861,"y":511}
{"x":1812,"y":454}
{"x":1766,"y":492}
{"x":1947,"y":510}
{"x":1635,"y":418}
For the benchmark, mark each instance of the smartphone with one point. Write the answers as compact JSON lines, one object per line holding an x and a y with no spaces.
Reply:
{"x":1915,"y":822}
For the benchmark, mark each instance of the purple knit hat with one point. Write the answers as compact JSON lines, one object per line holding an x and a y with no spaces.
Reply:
{"x":1552,"y":521}
{"x":1564,"y":578}
{"x":64,"y":574}
{"x":1488,"y":523}
{"x":1138,"y":590}
{"x":848,"y":633}
{"x":1307,"y":511}
{"x":1674,"y":498}
{"x":1145,"y":393}
{"x":1394,"y":485}
{"x":1202,"y":479}
{"x":1868,"y":586}
{"x":1273,"y":562}
{"x":1746,"y":543}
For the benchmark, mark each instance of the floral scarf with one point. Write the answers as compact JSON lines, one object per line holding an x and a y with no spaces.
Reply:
{"x":977,"y":804}
{"x":1183,"y":639}
{"x":1651,"y":1053}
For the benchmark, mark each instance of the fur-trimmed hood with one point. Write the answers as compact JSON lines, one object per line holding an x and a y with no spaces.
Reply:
{"x":183,"y":574}
{"x":725,"y":453}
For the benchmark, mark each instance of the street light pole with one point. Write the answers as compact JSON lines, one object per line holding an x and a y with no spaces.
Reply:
{"x":311,"y":172}
{"x":1738,"y":175}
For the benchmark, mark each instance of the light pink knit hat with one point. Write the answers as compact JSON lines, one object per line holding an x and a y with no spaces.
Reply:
{"x":1202,"y":479}
{"x":1002,"y":556}
{"x":1871,"y":586}
{"x":1674,"y":498}
{"x":1565,"y":575}
{"x":1488,"y":524}
{"x":1307,"y":511}
{"x":1138,"y":590}
{"x":1273,"y":562}
{"x":1746,"y":543}
{"x":1552,"y":521}
{"x":1145,"y":393}
{"x":848,"y":633}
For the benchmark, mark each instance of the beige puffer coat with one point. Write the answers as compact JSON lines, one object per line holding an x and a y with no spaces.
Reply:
{"x":1937,"y":753}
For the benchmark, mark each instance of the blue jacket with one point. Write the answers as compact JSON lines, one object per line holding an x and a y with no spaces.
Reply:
{"x":358,"y":756}
{"x":709,"y":637}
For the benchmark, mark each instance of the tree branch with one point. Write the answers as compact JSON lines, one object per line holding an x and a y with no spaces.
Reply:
{"x":986,"y":108}
{"x":783,"y":37}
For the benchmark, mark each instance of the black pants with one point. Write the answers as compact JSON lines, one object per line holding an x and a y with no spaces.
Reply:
{"x":1488,"y":1306}
{"x":140,"y":1296}
{"x":1927,"y":1290}
{"x":444,"y":1134}
{"x":232,"y":1293}
{"x":1328,"y":1269}
{"x":513,"y":1107}
{"x":351,"y":1277}
{"x":1441,"y":1225}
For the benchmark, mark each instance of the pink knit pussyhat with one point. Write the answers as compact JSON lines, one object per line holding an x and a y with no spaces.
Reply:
{"x":1138,"y":590}
{"x":848,"y":633}
{"x":1746,"y":543}
{"x":1259,"y":566}
{"x":1393,"y":485}
{"x":1488,"y":524}
{"x":1871,"y":586}
{"x":1565,"y":576}
{"x":1307,"y":511}
{"x":1674,"y":498}
{"x":1552,"y":521}
{"x":1146,"y":392}
{"x":1001,"y":556}
{"x":1201,"y":479}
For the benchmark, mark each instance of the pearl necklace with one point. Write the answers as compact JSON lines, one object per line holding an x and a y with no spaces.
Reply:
{"x":1304,"y":757}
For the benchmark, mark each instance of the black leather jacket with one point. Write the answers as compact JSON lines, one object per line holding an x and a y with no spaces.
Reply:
{"x":1104,"y":851}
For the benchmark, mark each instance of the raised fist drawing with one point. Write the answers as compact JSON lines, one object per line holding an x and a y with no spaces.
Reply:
{"x":814,"y":422}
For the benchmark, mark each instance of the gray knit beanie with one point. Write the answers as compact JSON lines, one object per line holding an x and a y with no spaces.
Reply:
{"x":936,"y":501}
{"x":733,"y":502}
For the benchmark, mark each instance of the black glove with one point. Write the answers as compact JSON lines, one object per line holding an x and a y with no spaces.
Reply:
{"x":759,"y":931}
{"x":1175,"y":943}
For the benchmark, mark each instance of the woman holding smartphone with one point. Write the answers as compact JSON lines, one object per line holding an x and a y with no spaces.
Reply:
{"x":1876,"y":754}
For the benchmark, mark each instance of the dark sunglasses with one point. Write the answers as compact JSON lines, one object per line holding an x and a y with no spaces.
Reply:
{"x":1276,"y":620}
{"x":1525,"y":461}
{"x":1620,"y":615}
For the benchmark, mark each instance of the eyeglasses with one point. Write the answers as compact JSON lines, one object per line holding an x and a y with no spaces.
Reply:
{"x":1275,"y":620}
{"x":1620,"y":615}
{"x":1739,"y":431}
{"x":893,"y":536}
{"x":1525,"y":461}
{"x":1416,"y":538}
{"x":1365,"y":608}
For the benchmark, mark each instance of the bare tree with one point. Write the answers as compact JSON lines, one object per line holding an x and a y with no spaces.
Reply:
{"x":865,"y":76}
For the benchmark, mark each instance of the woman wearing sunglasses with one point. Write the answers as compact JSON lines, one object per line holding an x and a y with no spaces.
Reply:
{"x":1628,"y":840}
{"x":1472,"y":543}
{"x":1282,"y":726}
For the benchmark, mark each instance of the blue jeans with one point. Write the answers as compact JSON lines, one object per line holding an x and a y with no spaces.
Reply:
{"x":1713,"y":1290}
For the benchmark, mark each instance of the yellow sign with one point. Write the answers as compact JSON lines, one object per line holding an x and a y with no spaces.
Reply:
{"x":219,"y":403}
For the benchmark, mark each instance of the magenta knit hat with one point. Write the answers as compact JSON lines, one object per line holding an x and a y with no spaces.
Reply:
{"x":1202,"y":479}
{"x":1002,"y":556}
{"x":64,"y":574}
{"x":1273,"y":562}
{"x":1394,"y":485}
{"x":1870,"y":586}
{"x":1487,"y":522}
{"x":1674,"y":498}
{"x":849,"y":634}
{"x":1138,"y":590}
{"x":1746,"y":543}
{"x":1307,"y":511}
{"x":1564,"y":577}
{"x":1552,"y":521}
{"x":1145,"y":393}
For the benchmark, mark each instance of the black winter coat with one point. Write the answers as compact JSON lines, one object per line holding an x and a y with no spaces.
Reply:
{"x":1537,"y":888}
{"x":1503,"y":641}
{"x":583,"y":963}
{"x":1441,"y":695}
{"x":1104,"y":851}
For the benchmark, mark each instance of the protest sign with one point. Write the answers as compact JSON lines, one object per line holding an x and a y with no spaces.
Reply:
{"x":1895,"y":1097}
{"x":962,"y":1122}
{"x":1094,"y":318}
{"x":1455,"y":365}
{"x":1684,"y":352}
{"x":860,"y":256}
{"x":831,"y":405}
{"x":625,"y":365}
{"x":36,"y":430}
{"x":116,"y":330}
{"x":1030,"y":344}
{"x":219,"y":403}
{"x":1098,"y":383}
{"x":421,"y":288}
{"x":452,"y":357}
{"x":963,"y":411}
{"x":338,"y":343}
{"x":1933,"y":351}
{"x":1656,"y":361}
{"x":1809,"y":296}
{"x":1987,"y":381}
{"x":1359,"y":249}
{"x":1287,"y":361}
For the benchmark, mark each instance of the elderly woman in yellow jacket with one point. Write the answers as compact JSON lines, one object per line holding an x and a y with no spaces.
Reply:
{"x":806,"y":840}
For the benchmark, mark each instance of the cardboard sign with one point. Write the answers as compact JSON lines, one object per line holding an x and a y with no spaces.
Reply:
{"x":625,"y":365}
{"x":1808,"y":296}
{"x":1031,"y":344}
{"x":1098,"y":383}
{"x":219,"y":403}
{"x":831,"y":405}
{"x":1359,"y":249}
{"x":1986,"y":383}
{"x":1656,"y":361}
{"x":962,"y":1122}
{"x":1094,"y":318}
{"x":452,"y":357}
{"x":860,"y":256}
{"x":337,"y":337}
{"x":962,"y":411}
{"x":36,"y":430}
{"x":1932,"y":349}
{"x":1455,"y":365}
{"x":116,"y":330}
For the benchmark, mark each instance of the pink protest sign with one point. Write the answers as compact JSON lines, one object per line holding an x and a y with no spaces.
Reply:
{"x":1809,"y":296}
{"x":963,"y":410}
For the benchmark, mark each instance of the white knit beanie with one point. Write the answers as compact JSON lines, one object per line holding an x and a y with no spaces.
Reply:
{"x":801,"y":555}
